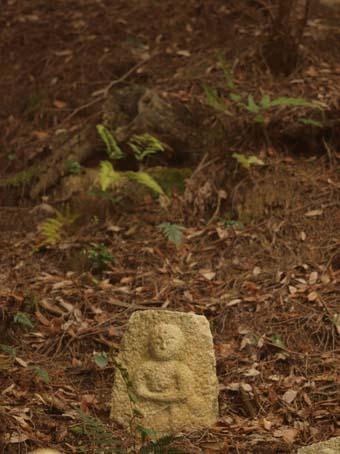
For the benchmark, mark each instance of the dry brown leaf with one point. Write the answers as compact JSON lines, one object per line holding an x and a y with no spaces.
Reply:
{"x":302,"y":236}
{"x":289,"y":396}
{"x":41,"y":135}
{"x":224,"y":350}
{"x":313,"y":213}
{"x":313,"y":277}
{"x":59,"y":104}
{"x":18,"y":438}
{"x":253,"y":372}
{"x":207,"y":274}
{"x":287,"y":434}
{"x":312,"y":296}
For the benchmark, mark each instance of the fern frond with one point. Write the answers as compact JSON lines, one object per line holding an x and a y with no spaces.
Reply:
{"x":147,"y":180}
{"x":284,"y":101}
{"x":144,"y":145}
{"x":51,"y":230}
{"x":108,"y":175}
{"x":247,"y":161}
{"x":113,"y":150}
{"x":214,"y":100}
{"x":173,"y":232}
{"x":66,"y":218}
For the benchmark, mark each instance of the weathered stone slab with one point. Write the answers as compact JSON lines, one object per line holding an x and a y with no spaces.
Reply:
{"x":331,"y":446}
{"x":170,"y":361}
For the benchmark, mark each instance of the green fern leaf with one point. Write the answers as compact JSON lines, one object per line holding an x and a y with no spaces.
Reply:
{"x":226,"y":71}
{"x":284,"y":101}
{"x":145,"y":179}
{"x":107,"y":175}
{"x":173,"y":232}
{"x":265,"y":101}
{"x":112,"y":148}
{"x":51,"y":230}
{"x":310,"y":122}
{"x":42,"y":373}
{"x":214,"y":100}
{"x":66,"y":218}
{"x":247,"y":161}
{"x":252,"y":106}
{"x":23,"y":320}
{"x":144,"y":145}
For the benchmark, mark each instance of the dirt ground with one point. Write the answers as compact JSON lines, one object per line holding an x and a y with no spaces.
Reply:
{"x":260,"y":256}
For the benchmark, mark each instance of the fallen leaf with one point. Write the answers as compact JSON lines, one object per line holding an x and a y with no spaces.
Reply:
{"x":256,"y":271}
{"x":183,"y":53}
{"x":252,"y":372}
{"x":266,"y":424}
{"x":234,"y":302}
{"x":224,"y":350}
{"x":59,"y":104}
{"x":40,"y":135}
{"x":303,"y":236}
{"x":289,"y":396}
{"x":292,"y":290}
{"x":21,"y":362}
{"x":312,"y":296}
{"x":207,"y":274}
{"x":313,"y":213}
{"x":313,"y":277}
{"x":18,"y":438}
{"x":288,"y":434}
{"x":63,"y":53}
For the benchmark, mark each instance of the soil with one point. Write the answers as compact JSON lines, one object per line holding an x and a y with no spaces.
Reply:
{"x":260,"y":251}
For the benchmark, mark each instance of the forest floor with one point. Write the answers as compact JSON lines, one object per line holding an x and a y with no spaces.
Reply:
{"x":260,"y":253}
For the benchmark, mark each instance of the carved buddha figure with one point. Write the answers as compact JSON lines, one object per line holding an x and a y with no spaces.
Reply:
{"x":164,"y":379}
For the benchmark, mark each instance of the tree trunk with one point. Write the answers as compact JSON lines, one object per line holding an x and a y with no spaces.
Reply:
{"x":281,"y":49}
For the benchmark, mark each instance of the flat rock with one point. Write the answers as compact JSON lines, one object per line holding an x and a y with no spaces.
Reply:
{"x":331,"y":446}
{"x":166,"y":373}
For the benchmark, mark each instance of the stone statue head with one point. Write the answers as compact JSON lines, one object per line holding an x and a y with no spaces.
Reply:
{"x":165,"y":341}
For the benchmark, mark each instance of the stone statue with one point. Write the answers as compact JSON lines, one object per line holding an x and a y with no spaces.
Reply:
{"x":171,"y":366}
{"x":331,"y":446}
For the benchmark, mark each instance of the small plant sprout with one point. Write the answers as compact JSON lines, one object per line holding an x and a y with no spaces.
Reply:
{"x":100,"y":359}
{"x":73,"y":167}
{"x":23,"y":320}
{"x":256,"y":108}
{"x":277,"y":340}
{"x":172,"y":232}
{"x":10,"y":351}
{"x":41,"y":373}
{"x":99,"y":256}
{"x":247,"y":161}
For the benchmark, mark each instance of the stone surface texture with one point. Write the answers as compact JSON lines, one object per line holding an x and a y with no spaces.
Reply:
{"x":331,"y":446}
{"x":170,"y":361}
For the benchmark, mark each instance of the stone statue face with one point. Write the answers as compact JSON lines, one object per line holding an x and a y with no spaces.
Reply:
{"x":165,"y":341}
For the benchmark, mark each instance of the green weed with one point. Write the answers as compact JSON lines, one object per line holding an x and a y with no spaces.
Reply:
{"x":172,"y":232}
{"x":256,"y":108}
{"x":99,"y":256}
